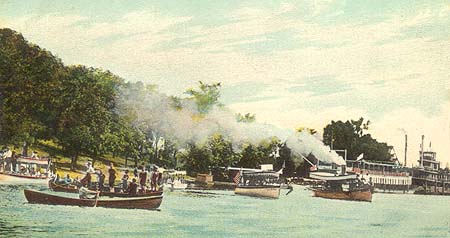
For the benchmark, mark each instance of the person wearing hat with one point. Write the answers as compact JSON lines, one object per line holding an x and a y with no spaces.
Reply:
{"x":132,"y":189}
{"x":86,"y":180}
{"x":125,"y":178}
{"x":112,"y":176}
{"x":143,"y":179}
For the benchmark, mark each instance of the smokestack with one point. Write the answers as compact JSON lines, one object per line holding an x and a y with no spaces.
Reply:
{"x":406,"y":148}
{"x":421,"y":151}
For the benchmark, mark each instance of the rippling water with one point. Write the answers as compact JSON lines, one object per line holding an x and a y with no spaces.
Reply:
{"x":225,"y":215}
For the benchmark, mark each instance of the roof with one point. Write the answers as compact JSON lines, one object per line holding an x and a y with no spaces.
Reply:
{"x":32,"y":161}
{"x":331,"y":177}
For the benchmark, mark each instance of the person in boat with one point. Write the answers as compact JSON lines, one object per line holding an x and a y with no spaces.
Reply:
{"x":85,"y":193}
{"x":143,"y":179}
{"x":112,"y":176}
{"x":14,"y":161}
{"x":34,"y":155}
{"x":154,"y":179}
{"x":100,"y":179}
{"x":56,"y":179}
{"x":135,"y":172}
{"x":87,"y":179}
{"x":125,"y":178}
{"x":68,"y":180}
{"x":132,"y":188}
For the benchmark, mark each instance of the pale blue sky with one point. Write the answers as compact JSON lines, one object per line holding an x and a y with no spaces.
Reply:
{"x":293,"y":63}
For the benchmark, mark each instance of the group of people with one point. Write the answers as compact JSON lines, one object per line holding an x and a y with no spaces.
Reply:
{"x":138,"y":184}
{"x":10,"y":163}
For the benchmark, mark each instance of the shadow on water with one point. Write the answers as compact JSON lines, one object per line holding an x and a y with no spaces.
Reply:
{"x":11,"y":229}
{"x":204,"y":194}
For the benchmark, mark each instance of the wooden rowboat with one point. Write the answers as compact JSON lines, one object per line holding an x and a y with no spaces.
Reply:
{"x":74,"y":189}
{"x":149,"y":202}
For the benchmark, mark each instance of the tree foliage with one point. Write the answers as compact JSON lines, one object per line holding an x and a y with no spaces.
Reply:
{"x":206,"y":96}
{"x":76,"y":107}
{"x":30,"y":78}
{"x":247,"y":118}
{"x":350,"y":135}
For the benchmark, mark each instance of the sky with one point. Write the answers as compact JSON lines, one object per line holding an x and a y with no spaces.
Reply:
{"x":292,"y":63}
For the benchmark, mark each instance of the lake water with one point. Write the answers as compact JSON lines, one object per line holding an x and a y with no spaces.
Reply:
{"x":226,"y":215}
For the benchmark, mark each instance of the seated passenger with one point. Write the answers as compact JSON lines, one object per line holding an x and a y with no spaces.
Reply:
{"x":132,"y":187}
{"x":68,"y":180}
{"x":85,"y":193}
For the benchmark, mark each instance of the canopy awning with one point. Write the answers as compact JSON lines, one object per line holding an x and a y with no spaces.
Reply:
{"x":32,"y":161}
{"x":331,"y":177}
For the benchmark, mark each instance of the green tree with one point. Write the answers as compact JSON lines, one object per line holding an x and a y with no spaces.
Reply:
{"x":350,"y":135}
{"x":30,"y":82}
{"x":196,"y":159}
{"x":247,"y":118}
{"x":87,"y":111}
{"x":206,"y":97}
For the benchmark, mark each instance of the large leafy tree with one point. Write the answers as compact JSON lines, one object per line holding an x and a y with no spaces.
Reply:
{"x":87,"y":114}
{"x":350,"y":135}
{"x":30,"y":82}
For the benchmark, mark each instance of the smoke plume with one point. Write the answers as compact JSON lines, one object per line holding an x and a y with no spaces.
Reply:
{"x":155,"y":112}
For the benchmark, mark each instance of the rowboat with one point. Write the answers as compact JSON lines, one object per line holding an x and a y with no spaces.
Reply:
{"x":148,"y":202}
{"x":74,"y":189}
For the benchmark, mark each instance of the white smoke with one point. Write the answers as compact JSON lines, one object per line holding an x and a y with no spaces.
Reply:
{"x":305,"y":144}
{"x":155,"y":112}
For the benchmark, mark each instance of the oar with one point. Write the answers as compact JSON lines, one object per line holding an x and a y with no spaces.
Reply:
{"x":290,"y":189}
{"x":96,"y":198}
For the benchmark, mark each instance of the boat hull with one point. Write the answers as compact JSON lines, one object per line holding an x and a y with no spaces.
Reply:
{"x":24,"y":176}
{"x":73,"y":189}
{"x":148,"y":203}
{"x":256,"y":191}
{"x":363,"y":195}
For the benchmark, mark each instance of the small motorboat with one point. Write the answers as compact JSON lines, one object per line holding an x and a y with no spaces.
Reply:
{"x":147,"y":202}
{"x":343,"y":187}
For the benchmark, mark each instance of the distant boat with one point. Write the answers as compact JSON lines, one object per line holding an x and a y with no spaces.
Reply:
{"x":429,"y":178}
{"x":149,"y":203}
{"x":175,"y":180}
{"x":74,"y":189}
{"x":344,"y":187}
{"x":265,"y":184}
{"x":27,"y":169}
{"x":177,"y":185}
{"x":387,"y":177}
{"x":264,"y":191}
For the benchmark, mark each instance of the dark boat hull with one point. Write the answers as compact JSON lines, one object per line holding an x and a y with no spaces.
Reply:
{"x":73,"y":189}
{"x":148,"y":203}
{"x":362,"y":195}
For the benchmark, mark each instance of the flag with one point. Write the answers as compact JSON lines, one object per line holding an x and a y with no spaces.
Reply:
{"x":360,"y":157}
{"x":237,"y":177}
